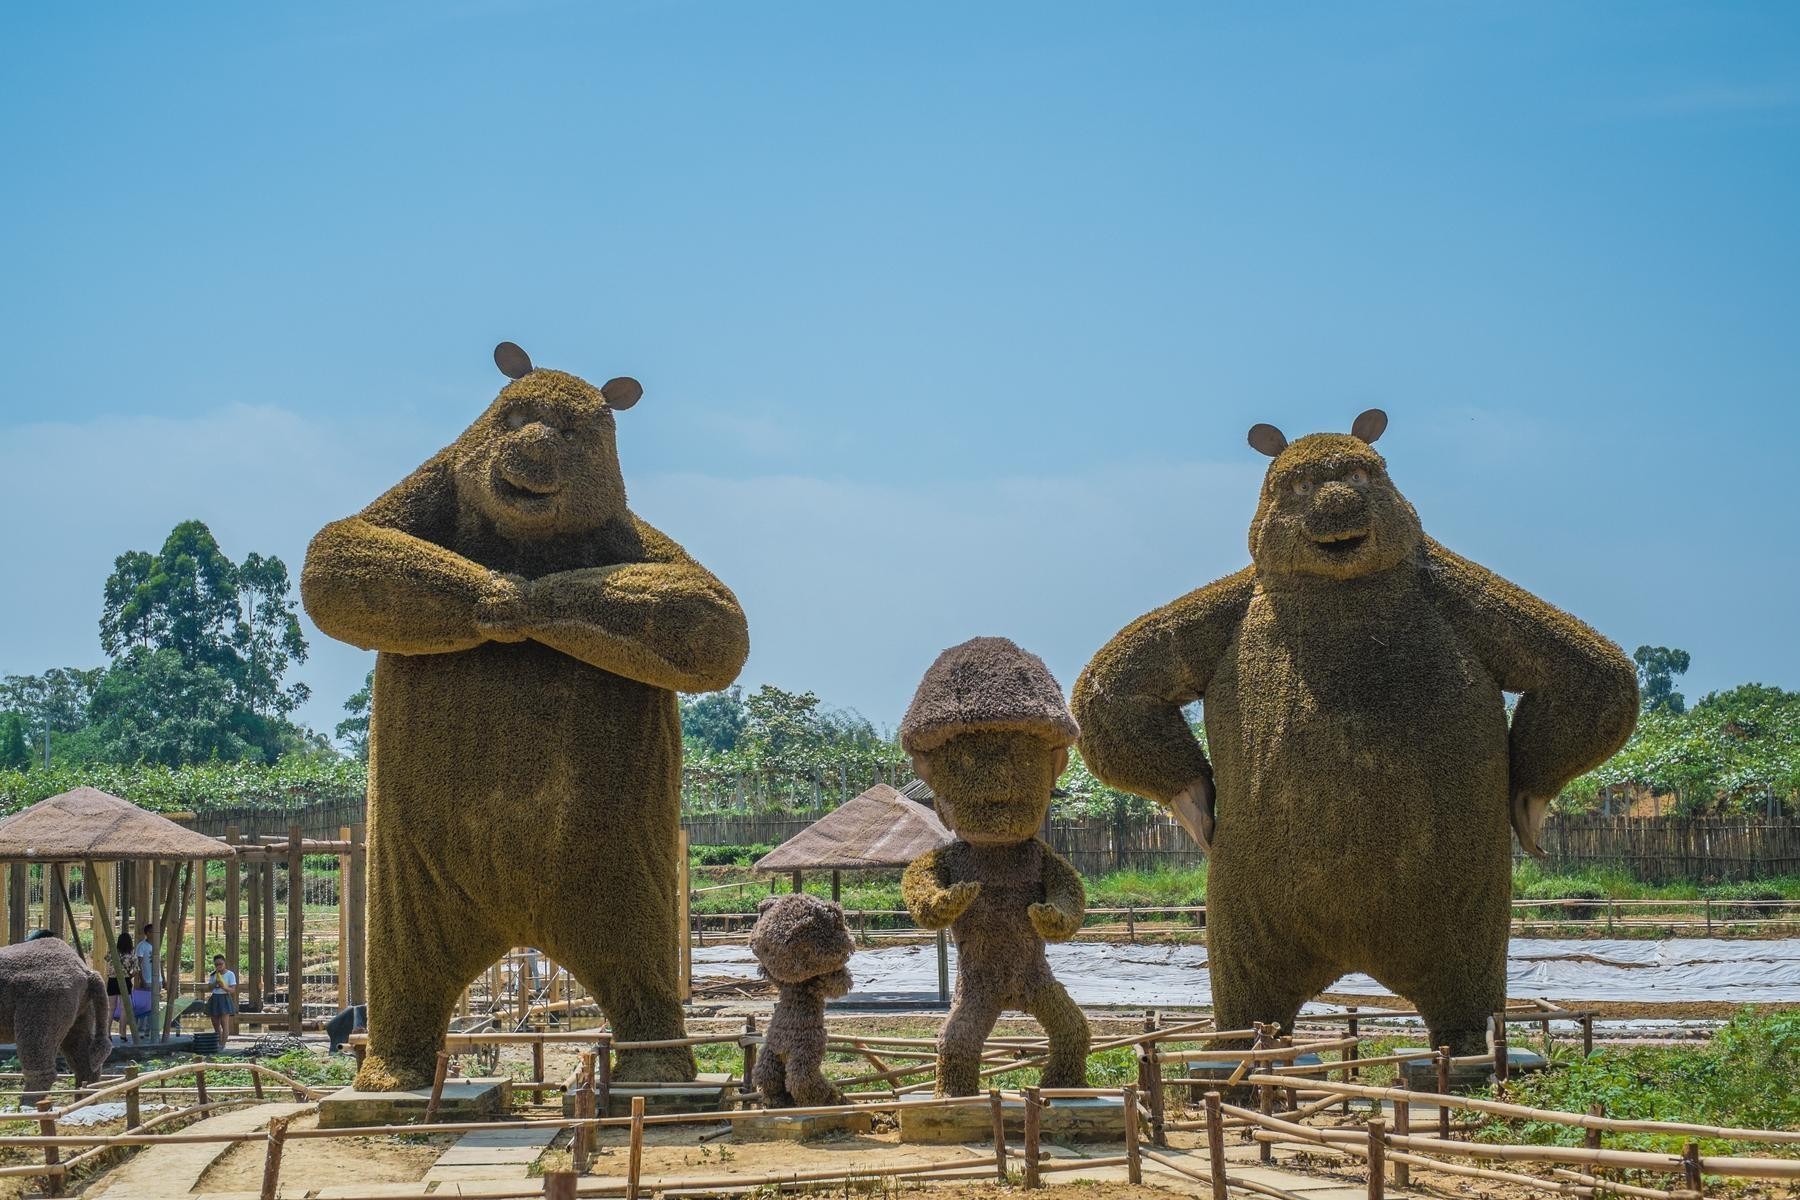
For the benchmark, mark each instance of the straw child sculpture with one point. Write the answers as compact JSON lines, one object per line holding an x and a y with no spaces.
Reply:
{"x":989,"y":732}
{"x":1363,"y":766}
{"x":524,"y":742}
{"x":802,"y":944}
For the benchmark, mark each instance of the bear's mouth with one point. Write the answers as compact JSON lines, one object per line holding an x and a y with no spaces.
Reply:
{"x":1341,"y":545}
{"x":519,"y":493}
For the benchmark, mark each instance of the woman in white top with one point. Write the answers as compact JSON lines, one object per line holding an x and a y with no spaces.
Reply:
{"x":221,"y":1002}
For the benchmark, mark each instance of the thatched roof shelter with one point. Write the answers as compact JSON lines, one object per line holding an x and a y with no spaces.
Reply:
{"x":89,"y":824}
{"x":880,"y":828}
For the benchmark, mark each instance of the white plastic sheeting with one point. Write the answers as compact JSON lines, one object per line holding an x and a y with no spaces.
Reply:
{"x":1166,"y":974}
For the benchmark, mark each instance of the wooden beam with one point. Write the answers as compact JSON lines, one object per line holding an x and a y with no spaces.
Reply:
{"x":55,"y":884}
{"x":19,"y":909}
{"x":253,"y":905}
{"x":686,"y":943}
{"x":343,"y":907}
{"x":296,"y":930}
{"x":198,"y":896}
{"x":268,"y":933}
{"x":181,"y":889}
{"x":99,"y":886}
{"x":114,"y":959}
{"x":359,"y":912}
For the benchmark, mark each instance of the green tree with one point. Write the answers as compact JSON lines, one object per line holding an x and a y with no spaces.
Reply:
{"x":152,"y":706}
{"x":268,"y":638}
{"x":715,"y":720}
{"x":56,"y":700}
{"x":353,"y":730}
{"x":15,"y":755}
{"x":1657,"y":668}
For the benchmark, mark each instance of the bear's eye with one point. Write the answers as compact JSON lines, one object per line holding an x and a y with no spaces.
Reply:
{"x":515,"y":419}
{"x":1358,"y":476}
{"x":1303,"y":487}
{"x":568,"y":434}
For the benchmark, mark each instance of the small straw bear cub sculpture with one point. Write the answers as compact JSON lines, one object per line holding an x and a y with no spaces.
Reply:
{"x":802,"y":944}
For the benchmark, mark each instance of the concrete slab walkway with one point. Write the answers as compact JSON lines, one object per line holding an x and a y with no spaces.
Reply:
{"x":168,"y":1171}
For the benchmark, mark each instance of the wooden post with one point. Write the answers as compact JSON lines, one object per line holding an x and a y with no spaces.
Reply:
{"x":1153,"y":1064}
{"x":256,"y":1078}
{"x":634,"y":1160}
{"x":104,"y":939}
{"x":201,"y":963}
{"x":560,"y":1185}
{"x":603,"y":1076}
{"x":1032,"y":1119}
{"x":997,"y":1111}
{"x":1443,"y":1074}
{"x":584,"y":1107}
{"x":1402,"y":1126}
{"x":837,"y":886}
{"x":1352,"y":1028}
{"x":271,"y":1179}
{"x":55,"y":880}
{"x":1501,"y":1060}
{"x":796,"y":880}
{"x":1131,"y":922}
{"x":18,"y":909}
{"x":181,"y":890}
{"x":133,"y":1104}
{"x":296,"y":931}
{"x":1265,"y":1104}
{"x":343,"y":907}
{"x":438,"y":1073}
{"x":253,"y":911}
{"x":359,"y":913}
{"x":99,"y":888}
{"x":1377,"y":1158}
{"x":537,"y":1068}
{"x":1134,"y":1167}
{"x":1215,"y":1145}
{"x":269,"y":941}
{"x":1690,"y":1168}
{"x":749,"y":1052}
{"x":6,"y":905}
{"x":53,"y":1180}
{"x":1587,"y":1035}
{"x":200,"y":1085}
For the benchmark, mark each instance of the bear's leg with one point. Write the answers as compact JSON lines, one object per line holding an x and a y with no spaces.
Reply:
{"x":1068,"y":1030}
{"x":640,"y":1005}
{"x":1266,"y":983}
{"x":805,"y":1061}
{"x":421,"y":955}
{"x":770,"y":1080}
{"x":1458,"y":993}
{"x":972,"y":1017}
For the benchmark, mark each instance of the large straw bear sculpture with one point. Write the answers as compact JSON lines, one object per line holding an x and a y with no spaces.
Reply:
{"x":1363,"y":764}
{"x":802,"y":944}
{"x":524,"y":744}
{"x":989,"y":732}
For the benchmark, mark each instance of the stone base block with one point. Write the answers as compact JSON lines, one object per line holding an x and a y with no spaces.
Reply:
{"x":477,"y":1099}
{"x":707,"y":1093}
{"x":1421,"y":1075}
{"x":1092,"y":1119}
{"x":777,"y":1126}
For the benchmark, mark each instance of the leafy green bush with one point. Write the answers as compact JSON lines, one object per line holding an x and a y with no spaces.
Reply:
{"x":1744,"y":1077}
{"x":727,"y":856}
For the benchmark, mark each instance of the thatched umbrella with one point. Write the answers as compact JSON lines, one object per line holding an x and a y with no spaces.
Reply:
{"x":879,"y":829}
{"x":88,"y":826}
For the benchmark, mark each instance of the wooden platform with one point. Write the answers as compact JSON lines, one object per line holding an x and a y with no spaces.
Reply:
{"x":708,"y":1093}
{"x":1422,"y":1076}
{"x":476,"y":1099}
{"x":777,"y":1126}
{"x":1096,"y":1119}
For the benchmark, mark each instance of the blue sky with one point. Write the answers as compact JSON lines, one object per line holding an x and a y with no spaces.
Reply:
{"x":951,"y":318}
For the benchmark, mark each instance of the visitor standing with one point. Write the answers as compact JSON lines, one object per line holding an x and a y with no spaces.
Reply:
{"x":126,"y":963}
{"x":146,"y":959}
{"x":221,"y":1002}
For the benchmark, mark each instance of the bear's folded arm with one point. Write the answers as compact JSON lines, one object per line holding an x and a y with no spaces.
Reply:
{"x":1578,"y":692}
{"x":1128,"y":701}
{"x":381,"y":589}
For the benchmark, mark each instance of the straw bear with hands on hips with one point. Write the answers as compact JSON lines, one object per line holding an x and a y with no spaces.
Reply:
{"x":1363,"y":763}
{"x":524,"y":741}
{"x":802,"y":944}
{"x":989,"y":733}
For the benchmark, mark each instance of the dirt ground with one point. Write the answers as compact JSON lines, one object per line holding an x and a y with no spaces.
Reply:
{"x":322,"y":1162}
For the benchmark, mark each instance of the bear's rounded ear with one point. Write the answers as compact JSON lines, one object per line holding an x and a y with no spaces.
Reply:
{"x":513,"y":362}
{"x":1369,"y":426}
{"x":622,"y":393}
{"x":1267,"y":439}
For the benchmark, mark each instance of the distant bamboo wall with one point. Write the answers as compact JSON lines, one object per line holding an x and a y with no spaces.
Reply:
{"x":1653,"y":849}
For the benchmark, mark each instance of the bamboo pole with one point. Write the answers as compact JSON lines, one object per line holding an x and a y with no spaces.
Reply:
{"x":271,"y":1180}
{"x":1215,"y":1145}
{"x":1134,"y":1167}
{"x":634,"y":1162}
{"x":997,"y":1109}
{"x":47,"y":1127}
{"x":128,"y":1018}
{"x":1032,"y":1149}
{"x":1377,"y":1135}
{"x":201,"y":966}
{"x":359,"y":910}
{"x":560,"y":1185}
{"x":296,"y":931}
{"x":441,"y":1069}
{"x":253,"y":914}
{"x":343,"y":907}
